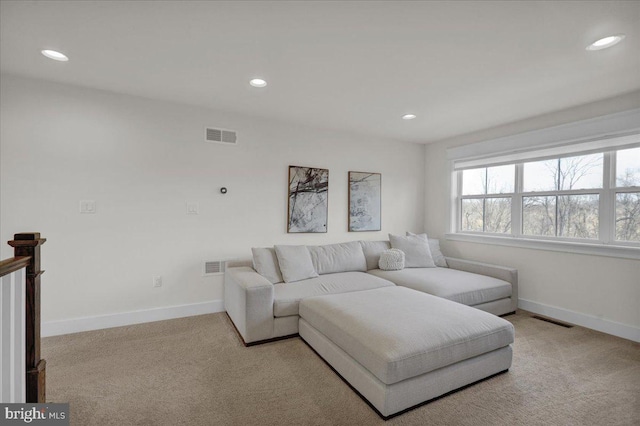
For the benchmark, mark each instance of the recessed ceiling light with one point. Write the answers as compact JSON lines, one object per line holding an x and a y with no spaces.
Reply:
{"x":258,"y":82}
{"x":56,"y":56}
{"x":408,"y":116}
{"x":605,"y":42}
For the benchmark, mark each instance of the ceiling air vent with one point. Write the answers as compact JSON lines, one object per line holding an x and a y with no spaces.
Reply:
{"x":214,"y":267}
{"x":220,"y":135}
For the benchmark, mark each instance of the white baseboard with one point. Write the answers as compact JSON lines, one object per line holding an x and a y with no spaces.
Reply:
{"x":75,"y":325}
{"x":584,"y":320}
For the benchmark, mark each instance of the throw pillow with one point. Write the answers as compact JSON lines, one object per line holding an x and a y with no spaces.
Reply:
{"x":295,"y":263}
{"x":391,"y":260}
{"x":436,"y":253}
{"x":416,"y":251}
{"x":265,"y":263}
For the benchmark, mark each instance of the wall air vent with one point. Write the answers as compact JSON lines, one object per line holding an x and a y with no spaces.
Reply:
{"x":214,"y":267}
{"x":225,"y":136}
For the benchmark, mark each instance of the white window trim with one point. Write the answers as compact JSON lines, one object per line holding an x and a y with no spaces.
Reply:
{"x":566,"y":135}
{"x":624,"y":123}
{"x":598,"y":249}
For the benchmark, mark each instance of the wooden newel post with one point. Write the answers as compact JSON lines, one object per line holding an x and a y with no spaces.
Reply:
{"x":28,"y":244}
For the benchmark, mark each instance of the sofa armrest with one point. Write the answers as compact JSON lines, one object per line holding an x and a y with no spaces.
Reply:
{"x":235,"y":263}
{"x":248,"y":299}
{"x":500,"y":272}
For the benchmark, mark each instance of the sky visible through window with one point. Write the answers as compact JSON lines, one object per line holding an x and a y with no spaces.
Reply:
{"x":628,"y":167}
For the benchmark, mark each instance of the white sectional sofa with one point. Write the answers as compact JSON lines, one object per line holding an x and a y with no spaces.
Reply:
{"x":263,"y":306}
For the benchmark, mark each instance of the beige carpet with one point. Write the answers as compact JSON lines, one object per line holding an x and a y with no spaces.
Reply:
{"x":195,"y":371}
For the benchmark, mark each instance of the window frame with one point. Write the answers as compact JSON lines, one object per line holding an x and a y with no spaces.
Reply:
{"x":605,"y":244}
{"x":614,"y":191}
{"x":484,"y":197}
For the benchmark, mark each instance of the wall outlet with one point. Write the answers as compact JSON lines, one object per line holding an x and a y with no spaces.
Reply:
{"x":157,"y":281}
{"x":193,"y":208}
{"x":87,"y":206}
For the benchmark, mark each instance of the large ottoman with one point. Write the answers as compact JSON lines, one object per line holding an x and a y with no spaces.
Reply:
{"x":399,"y":347}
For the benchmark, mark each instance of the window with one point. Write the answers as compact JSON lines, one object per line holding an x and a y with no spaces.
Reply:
{"x":627,"y":195}
{"x":560,"y":207}
{"x":485,"y":206}
{"x":582,"y":197}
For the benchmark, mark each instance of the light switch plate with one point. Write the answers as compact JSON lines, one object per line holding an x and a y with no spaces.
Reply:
{"x":193,"y":208}
{"x":87,"y":206}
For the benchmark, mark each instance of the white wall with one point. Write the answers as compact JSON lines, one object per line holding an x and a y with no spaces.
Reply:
{"x":142,"y":160}
{"x":599,"y":291}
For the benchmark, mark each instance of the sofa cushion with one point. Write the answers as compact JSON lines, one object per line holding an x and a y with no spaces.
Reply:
{"x":265,"y":262}
{"x":416,"y":250}
{"x":288,"y":296}
{"x":397,"y":333}
{"x":295,"y":263}
{"x":434,"y":247}
{"x":332,"y":258}
{"x":458,"y":286}
{"x":372,"y":251}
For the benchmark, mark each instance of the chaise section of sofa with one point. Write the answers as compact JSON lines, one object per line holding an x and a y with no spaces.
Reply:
{"x":487,"y":287}
{"x":483,"y":286}
{"x":503,"y":273}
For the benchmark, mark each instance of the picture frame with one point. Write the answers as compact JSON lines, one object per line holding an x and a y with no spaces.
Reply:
{"x":365,"y":201}
{"x":308,"y":200}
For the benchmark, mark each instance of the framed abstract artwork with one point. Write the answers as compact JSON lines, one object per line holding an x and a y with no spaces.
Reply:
{"x":365,"y":201}
{"x":308,"y":199}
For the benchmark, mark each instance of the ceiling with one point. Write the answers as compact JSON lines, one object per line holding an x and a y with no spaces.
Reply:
{"x":350,"y":66}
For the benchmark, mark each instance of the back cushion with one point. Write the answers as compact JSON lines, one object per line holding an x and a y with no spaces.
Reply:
{"x":436,"y":253}
{"x":265,"y":263}
{"x":295,"y":263}
{"x":372,"y":251}
{"x":334,"y":258}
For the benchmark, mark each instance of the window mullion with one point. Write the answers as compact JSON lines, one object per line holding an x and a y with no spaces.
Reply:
{"x":566,"y":192}
{"x":516,"y":202}
{"x":484,"y":200}
{"x":558,"y":188}
{"x":557,"y":216}
{"x":607,"y":199}
{"x":484,"y":214}
{"x":457,"y":215}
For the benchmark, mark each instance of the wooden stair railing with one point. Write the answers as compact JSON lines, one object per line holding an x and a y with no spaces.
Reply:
{"x":27,"y":245}
{"x":12,"y":329}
